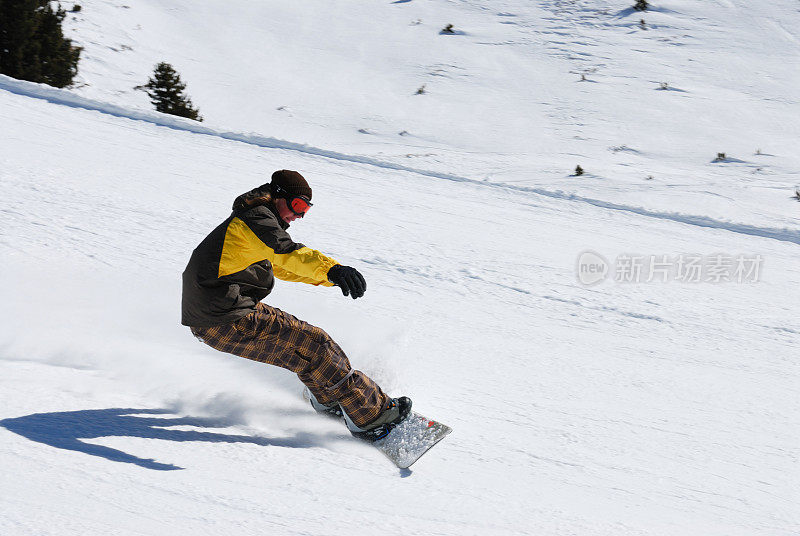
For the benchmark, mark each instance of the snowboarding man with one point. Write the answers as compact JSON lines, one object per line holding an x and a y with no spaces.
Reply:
{"x":233,"y":269}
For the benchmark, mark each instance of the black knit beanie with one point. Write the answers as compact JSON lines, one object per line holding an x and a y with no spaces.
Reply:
{"x":291,"y":182}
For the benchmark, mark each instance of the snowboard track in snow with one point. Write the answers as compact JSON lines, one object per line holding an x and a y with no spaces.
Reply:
{"x":65,"y":98}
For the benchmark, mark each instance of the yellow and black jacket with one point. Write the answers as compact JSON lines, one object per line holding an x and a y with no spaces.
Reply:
{"x":235,"y":267}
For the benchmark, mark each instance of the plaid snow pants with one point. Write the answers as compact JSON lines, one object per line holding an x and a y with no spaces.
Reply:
{"x":272,"y":336}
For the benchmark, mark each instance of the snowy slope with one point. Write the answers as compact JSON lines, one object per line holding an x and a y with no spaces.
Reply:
{"x":505,"y":101}
{"x":650,"y":408}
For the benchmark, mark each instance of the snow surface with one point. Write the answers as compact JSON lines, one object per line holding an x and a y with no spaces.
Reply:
{"x":644,"y":409}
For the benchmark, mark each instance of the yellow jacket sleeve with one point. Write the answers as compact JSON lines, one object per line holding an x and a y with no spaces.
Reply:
{"x":261,"y":239}
{"x":304,"y":265}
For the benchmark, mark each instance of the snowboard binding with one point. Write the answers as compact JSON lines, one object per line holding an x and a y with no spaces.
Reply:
{"x":401,"y":407}
{"x":331,"y":410}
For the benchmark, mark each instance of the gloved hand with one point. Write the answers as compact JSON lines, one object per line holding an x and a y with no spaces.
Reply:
{"x":348,"y":279}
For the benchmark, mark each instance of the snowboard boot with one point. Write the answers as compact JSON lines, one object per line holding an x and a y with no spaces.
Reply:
{"x":398,"y":410}
{"x":333,"y":409}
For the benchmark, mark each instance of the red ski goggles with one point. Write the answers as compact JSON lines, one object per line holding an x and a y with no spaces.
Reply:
{"x":298,"y":204}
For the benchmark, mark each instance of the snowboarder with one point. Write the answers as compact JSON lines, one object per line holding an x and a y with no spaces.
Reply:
{"x":233,"y":269}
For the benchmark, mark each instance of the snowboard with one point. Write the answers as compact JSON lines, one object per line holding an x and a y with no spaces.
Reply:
{"x":409,"y":440}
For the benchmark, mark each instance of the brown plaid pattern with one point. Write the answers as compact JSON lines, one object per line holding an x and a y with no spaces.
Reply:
{"x":272,"y":336}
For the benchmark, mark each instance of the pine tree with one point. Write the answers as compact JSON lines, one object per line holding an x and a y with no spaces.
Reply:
{"x":32,"y":44}
{"x":641,"y":5}
{"x":166,"y":92}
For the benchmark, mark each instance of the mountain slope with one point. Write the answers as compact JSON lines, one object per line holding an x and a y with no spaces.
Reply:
{"x":654,"y":408}
{"x":504,"y":99}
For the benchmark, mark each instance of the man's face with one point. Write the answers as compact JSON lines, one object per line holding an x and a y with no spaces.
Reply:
{"x":284,"y":211}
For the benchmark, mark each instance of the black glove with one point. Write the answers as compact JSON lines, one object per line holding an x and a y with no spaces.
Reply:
{"x":348,"y":279}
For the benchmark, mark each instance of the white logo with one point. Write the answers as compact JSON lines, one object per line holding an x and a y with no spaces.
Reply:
{"x":592,"y":268}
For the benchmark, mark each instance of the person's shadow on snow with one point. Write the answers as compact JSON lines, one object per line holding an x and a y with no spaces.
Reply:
{"x":65,"y":430}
